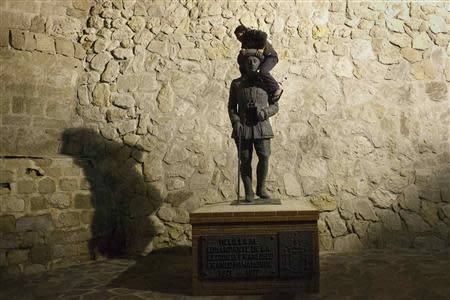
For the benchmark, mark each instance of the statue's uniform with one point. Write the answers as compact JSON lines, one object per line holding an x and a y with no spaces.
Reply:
{"x":247,"y":100}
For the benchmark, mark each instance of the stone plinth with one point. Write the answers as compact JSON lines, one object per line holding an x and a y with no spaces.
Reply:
{"x":255,"y":249}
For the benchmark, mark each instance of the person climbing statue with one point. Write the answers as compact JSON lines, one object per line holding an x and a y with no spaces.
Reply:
{"x":254,"y":42}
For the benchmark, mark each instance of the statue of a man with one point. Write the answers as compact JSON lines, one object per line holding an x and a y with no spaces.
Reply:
{"x":249,"y":109}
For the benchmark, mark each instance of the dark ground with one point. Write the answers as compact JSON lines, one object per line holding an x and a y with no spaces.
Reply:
{"x":375,"y":274}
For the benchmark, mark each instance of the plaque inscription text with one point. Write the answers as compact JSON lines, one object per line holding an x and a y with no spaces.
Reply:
{"x":239,"y":257}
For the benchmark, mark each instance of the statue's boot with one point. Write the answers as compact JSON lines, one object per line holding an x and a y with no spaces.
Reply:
{"x":261,"y":173}
{"x":249,"y":196}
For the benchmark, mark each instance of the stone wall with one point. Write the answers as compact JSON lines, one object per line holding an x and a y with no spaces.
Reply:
{"x":133,"y":94}
{"x":45,"y":216}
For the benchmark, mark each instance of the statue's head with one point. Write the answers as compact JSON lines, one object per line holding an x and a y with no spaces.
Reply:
{"x":239,"y":32}
{"x":252,"y":64}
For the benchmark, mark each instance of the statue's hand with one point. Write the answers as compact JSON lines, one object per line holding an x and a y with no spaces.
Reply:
{"x":262,"y":115}
{"x":250,"y":52}
{"x":259,"y":53}
{"x":237,"y":128}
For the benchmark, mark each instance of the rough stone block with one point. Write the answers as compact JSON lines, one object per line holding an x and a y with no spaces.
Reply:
{"x":390,"y":219}
{"x":40,"y":254}
{"x":5,"y":188}
{"x":46,"y":186}
{"x":364,"y":209}
{"x":26,"y":187}
{"x":136,"y":23}
{"x":175,"y":184}
{"x":38,"y":24}
{"x":38,"y":203}
{"x":84,"y":184}
{"x":414,"y":222}
{"x":128,"y":83}
{"x":60,"y":251}
{"x":87,"y":217}
{"x":127,"y":126}
{"x":83,"y":201}
{"x":156,"y":224}
{"x":180,"y":215}
{"x":123,"y":53}
{"x":84,"y":5}
{"x":166,"y":213}
{"x":429,"y":212}
{"x":71,"y":171}
{"x":16,"y":20}
{"x":83,"y":249}
{"x":101,"y":95}
{"x":12,"y":204}
{"x":50,"y":8}
{"x":4,"y":38}
{"x":159,"y":47}
{"x":7,"y":224}
{"x":69,"y":219}
{"x":64,"y":47}
{"x":29,"y":7}
{"x":445,"y":211}
{"x":324,"y":202}
{"x":31,"y":238}
{"x":99,"y":61}
{"x":60,"y":200}
{"x":64,"y":236}
{"x":325,"y":242}
{"x":291,"y":185}
{"x":165,"y":99}
{"x":80,"y":52}
{"x":14,"y":257}
{"x":30,"y":41}
{"x":68,"y":184}
{"x":17,"y":39}
{"x":111,"y":72}
{"x":45,"y":43}
{"x":411,"y":55}
{"x":336,"y":224}
{"x":49,"y":123}
{"x":33,"y":223}
{"x":6,"y":176}
{"x":437,"y":91}
{"x":348,"y":243}
{"x":59,"y":109}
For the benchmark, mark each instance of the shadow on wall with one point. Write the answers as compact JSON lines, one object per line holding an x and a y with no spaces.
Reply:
{"x":121,"y":199}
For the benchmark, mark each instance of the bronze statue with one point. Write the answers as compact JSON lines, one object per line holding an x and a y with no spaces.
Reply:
{"x":249,"y":109}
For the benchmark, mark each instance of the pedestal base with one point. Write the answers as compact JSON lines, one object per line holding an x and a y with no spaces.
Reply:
{"x":248,"y":249}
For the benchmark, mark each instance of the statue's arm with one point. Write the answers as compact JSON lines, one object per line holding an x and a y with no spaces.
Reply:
{"x":233,"y":105}
{"x":272,"y":109}
{"x":267,"y":112}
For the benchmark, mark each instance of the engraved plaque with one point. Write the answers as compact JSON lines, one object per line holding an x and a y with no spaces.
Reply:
{"x":296,"y":254}
{"x":239,"y":257}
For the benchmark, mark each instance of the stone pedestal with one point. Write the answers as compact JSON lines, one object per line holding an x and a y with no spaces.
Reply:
{"x":255,"y":249}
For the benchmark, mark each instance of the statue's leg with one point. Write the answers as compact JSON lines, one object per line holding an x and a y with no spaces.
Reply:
{"x":271,"y":86}
{"x":246,"y":168}
{"x":262,"y":148}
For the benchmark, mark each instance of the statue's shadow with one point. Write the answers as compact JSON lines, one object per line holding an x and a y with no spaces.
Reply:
{"x":165,"y":270}
{"x":120,"y":199}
